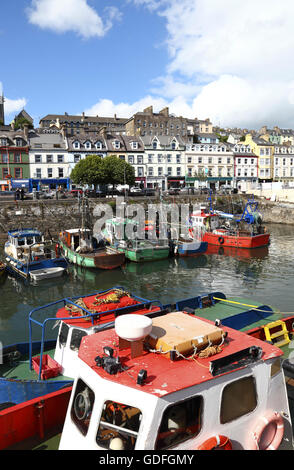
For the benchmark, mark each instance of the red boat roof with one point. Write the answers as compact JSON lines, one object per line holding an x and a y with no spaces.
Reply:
{"x":165,"y":376}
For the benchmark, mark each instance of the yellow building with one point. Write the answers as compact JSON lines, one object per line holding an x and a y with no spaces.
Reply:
{"x":264,"y":150}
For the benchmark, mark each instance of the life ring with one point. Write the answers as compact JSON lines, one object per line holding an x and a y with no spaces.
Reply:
{"x":221,"y":240}
{"x":265,"y":422}
{"x":216,"y":442}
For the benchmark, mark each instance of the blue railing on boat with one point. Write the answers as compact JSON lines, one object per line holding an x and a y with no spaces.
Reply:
{"x":143,"y":303}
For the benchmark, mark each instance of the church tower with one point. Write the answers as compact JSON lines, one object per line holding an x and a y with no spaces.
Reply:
{"x":2,"y":109}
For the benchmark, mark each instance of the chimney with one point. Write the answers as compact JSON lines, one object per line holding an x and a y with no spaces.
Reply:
{"x":63,"y":131}
{"x":115,"y":116}
{"x":164,"y":112}
{"x":26,"y":130}
{"x":148,"y":110}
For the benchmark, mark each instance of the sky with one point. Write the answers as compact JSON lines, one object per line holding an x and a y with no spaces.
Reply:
{"x":230,"y":60}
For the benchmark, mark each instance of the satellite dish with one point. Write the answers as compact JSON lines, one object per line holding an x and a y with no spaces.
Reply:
{"x":133,"y":327}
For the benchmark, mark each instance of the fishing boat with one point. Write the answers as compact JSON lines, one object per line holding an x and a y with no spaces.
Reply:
{"x":117,"y":233}
{"x":176,"y":381}
{"x":28,"y":255}
{"x":189,"y":247}
{"x":227,"y":230}
{"x":36,"y":377}
{"x":80,"y":248}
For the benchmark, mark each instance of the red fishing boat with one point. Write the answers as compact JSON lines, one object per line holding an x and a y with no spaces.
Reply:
{"x":227,"y":230}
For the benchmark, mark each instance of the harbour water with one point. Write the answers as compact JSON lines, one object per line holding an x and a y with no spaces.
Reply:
{"x":263,"y":275}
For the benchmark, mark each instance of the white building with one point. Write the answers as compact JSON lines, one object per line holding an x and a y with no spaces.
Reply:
{"x":48,"y":156}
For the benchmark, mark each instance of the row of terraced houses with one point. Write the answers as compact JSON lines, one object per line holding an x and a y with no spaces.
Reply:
{"x":165,"y":151}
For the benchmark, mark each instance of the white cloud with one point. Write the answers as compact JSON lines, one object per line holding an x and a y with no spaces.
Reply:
{"x":12,"y":106}
{"x":105,"y":107}
{"x":229,"y":60}
{"x":71,"y":15}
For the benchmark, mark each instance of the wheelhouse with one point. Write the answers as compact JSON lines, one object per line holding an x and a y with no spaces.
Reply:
{"x":150,"y":393}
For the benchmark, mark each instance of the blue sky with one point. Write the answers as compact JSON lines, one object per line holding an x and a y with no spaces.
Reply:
{"x":229,"y":61}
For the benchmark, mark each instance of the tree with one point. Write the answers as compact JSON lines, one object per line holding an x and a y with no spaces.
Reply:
{"x":20,"y":121}
{"x":117,"y":171}
{"x":97,"y":170}
{"x":88,"y":171}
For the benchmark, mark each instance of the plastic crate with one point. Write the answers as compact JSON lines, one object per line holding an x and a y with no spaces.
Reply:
{"x":50,"y":368}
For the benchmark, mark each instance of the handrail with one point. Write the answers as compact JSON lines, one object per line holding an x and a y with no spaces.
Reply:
{"x":89,"y":314}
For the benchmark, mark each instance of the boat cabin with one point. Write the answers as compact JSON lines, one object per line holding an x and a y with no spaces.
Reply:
{"x":25,"y":245}
{"x":78,"y":239}
{"x":176,"y":381}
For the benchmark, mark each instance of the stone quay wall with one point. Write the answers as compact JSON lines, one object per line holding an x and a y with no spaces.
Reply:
{"x":64,"y":214}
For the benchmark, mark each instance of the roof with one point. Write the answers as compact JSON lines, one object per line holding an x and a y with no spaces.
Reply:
{"x":26,"y":232}
{"x":165,"y":376}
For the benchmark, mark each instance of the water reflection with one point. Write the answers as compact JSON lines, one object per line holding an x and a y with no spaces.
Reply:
{"x":264,"y":275}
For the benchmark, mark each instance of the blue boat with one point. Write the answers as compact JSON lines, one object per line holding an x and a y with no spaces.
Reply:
{"x":31,"y":257}
{"x":190,"y":247}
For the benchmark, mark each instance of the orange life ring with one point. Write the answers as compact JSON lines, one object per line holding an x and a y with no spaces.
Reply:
{"x":215,"y":442}
{"x":264,"y":422}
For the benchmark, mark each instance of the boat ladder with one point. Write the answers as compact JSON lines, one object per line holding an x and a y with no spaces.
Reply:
{"x":281,"y":333}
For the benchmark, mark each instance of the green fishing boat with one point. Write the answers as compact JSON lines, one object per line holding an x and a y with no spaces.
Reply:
{"x":138,"y":250}
{"x":79,"y":247}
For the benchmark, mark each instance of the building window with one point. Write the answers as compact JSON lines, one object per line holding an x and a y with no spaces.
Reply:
{"x":38,"y":173}
{"x":131,"y":159}
{"x":98,"y":145}
{"x":60,"y":158}
{"x":150,"y":171}
{"x":76,"y":145}
{"x":178,"y":158}
{"x":49,"y":158}
{"x":150,"y":158}
{"x":169,"y":171}
{"x":5,"y":172}
{"x":17,"y":158}
{"x":49,"y":172}
{"x":154,"y":144}
{"x":88,"y":145}
{"x":116,"y":144}
{"x":178,"y":171}
{"x":38,"y":159}
{"x":18,"y":172}
{"x":169,"y":158}
{"x":140,"y":159}
{"x":159,"y":158}
{"x":77,"y":158}
{"x":140,"y":171}
{"x":60,"y":172}
{"x":134,"y":145}
{"x":160,"y":171}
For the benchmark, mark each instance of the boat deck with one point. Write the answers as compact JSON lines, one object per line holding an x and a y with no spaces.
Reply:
{"x":223,"y":309}
{"x":20,"y":370}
